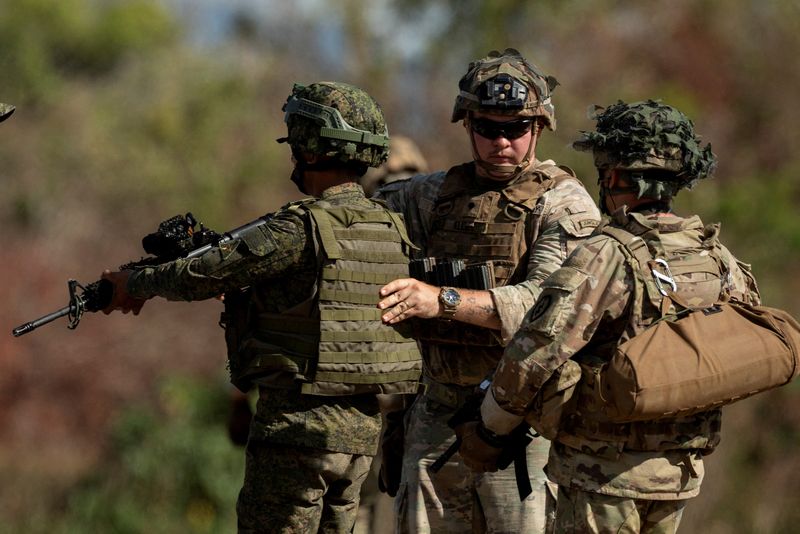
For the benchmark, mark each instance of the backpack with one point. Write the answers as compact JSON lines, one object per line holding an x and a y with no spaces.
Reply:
{"x":697,"y":359}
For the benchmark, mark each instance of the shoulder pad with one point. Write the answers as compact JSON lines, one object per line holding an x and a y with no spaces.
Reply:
{"x":298,"y":205}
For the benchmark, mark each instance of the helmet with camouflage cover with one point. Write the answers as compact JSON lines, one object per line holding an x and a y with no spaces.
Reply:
{"x":506,"y":84}
{"x":648,"y":136}
{"x":336,"y":120}
{"x":5,"y":111}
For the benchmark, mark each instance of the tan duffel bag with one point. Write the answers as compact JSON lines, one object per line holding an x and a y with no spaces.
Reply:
{"x":707,"y":358}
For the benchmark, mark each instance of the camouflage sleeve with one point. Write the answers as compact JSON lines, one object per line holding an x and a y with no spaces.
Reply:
{"x":265,"y":251}
{"x":569,"y":216}
{"x":741,"y":283}
{"x":592,"y":288}
{"x":414,"y":198}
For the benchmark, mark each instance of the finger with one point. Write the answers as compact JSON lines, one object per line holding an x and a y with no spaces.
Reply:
{"x":394,"y":285}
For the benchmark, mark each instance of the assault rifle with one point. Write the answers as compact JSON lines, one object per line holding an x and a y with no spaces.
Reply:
{"x":176,"y":237}
{"x":514,"y":451}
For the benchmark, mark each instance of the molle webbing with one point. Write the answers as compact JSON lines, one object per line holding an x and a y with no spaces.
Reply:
{"x":480,"y":226}
{"x":362,"y":250}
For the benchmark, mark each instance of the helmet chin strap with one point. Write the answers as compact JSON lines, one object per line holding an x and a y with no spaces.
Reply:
{"x":505,"y":171}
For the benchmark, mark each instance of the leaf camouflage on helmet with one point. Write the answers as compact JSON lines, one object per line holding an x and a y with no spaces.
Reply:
{"x":506,"y":84}
{"x":5,"y":111}
{"x":645,"y":136}
{"x":336,"y":120}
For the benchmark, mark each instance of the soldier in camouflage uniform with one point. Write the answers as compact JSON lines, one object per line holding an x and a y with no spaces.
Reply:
{"x":520,"y":217}
{"x":618,"y":477}
{"x":301,"y":321}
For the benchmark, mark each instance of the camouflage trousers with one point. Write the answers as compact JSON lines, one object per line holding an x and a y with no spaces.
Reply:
{"x":299,"y":490}
{"x":584,"y":512}
{"x":456,"y":499}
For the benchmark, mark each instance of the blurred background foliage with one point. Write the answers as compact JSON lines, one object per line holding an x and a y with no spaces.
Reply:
{"x":129,"y":112}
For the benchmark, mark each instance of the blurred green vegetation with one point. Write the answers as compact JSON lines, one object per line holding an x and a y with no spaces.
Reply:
{"x":168,"y":467}
{"x":129,"y":112}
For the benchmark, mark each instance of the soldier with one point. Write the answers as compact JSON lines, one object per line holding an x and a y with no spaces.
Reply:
{"x":634,"y":476}
{"x":516,"y":218}
{"x":301,"y":321}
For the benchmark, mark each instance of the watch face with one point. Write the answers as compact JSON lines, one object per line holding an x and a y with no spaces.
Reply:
{"x":451,"y":297}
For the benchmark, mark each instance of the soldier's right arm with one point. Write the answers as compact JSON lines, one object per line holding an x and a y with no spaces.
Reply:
{"x":741,"y":282}
{"x":591,"y":290}
{"x":265,"y":251}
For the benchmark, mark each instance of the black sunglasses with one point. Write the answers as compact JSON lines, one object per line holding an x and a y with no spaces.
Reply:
{"x":493,"y":129}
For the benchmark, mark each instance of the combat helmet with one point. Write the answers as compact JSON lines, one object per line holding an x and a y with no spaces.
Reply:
{"x":646,"y":136}
{"x":5,"y":111}
{"x":506,"y":84}
{"x":336,"y":120}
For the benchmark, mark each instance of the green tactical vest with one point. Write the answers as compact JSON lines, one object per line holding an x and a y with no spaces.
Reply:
{"x":698,"y":273}
{"x":486,"y":227}
{"x":335,"y":342}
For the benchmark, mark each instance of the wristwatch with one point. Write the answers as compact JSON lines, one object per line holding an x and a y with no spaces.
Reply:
{"x":450,"y":299}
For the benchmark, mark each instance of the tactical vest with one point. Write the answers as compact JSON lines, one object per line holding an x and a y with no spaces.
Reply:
{"x":335,"y":343}
{"x":699,"y":273}
{"x":491,"y":227}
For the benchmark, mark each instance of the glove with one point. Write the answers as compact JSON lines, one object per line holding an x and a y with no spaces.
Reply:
{"x":392,"y":453}
{"x":480,"y":449}
{"x":120,"y":299}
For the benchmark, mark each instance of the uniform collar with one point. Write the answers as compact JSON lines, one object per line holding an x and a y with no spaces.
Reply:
{"x":348,"y":188}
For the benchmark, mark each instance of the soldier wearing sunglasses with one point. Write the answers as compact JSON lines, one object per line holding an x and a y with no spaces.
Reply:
{"x":516,"y":218}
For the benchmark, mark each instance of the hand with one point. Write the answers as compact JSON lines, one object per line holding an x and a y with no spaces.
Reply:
{"x":408,"y":297}
{"x":478,"y":454}
{"x":120,"y":299}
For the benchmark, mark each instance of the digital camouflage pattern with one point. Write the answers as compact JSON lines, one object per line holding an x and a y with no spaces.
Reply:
{"x":585,"y":309}
{"x":537,"y":101}
{"x":336,"y":435}
{"x":649,"y":135}
{"x":313,"y":111}
{"x":5,"y":111}
{"x":284,"y":484}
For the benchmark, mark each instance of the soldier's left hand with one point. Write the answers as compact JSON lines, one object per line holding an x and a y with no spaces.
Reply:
{"x":408,"y":297}
{"x":120,"y":299}
{"x":477,"y":453}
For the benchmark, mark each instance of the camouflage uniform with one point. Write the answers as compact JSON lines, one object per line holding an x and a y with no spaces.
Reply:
{"x":633,"y":477}
{"x":311,"y":339}
{"x":559,"y":214}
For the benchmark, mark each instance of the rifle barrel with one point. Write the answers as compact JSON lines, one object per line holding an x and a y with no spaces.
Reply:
{"x":36,"y":323}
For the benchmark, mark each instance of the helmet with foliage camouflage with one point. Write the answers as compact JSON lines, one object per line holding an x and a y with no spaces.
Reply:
{"x":5,"y":111}
{"x":644,"y":136}
{"x":506,"y":84}
{"x":337,"y":120}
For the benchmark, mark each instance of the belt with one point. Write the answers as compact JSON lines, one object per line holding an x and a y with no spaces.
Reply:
{"x":450,"y":395}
